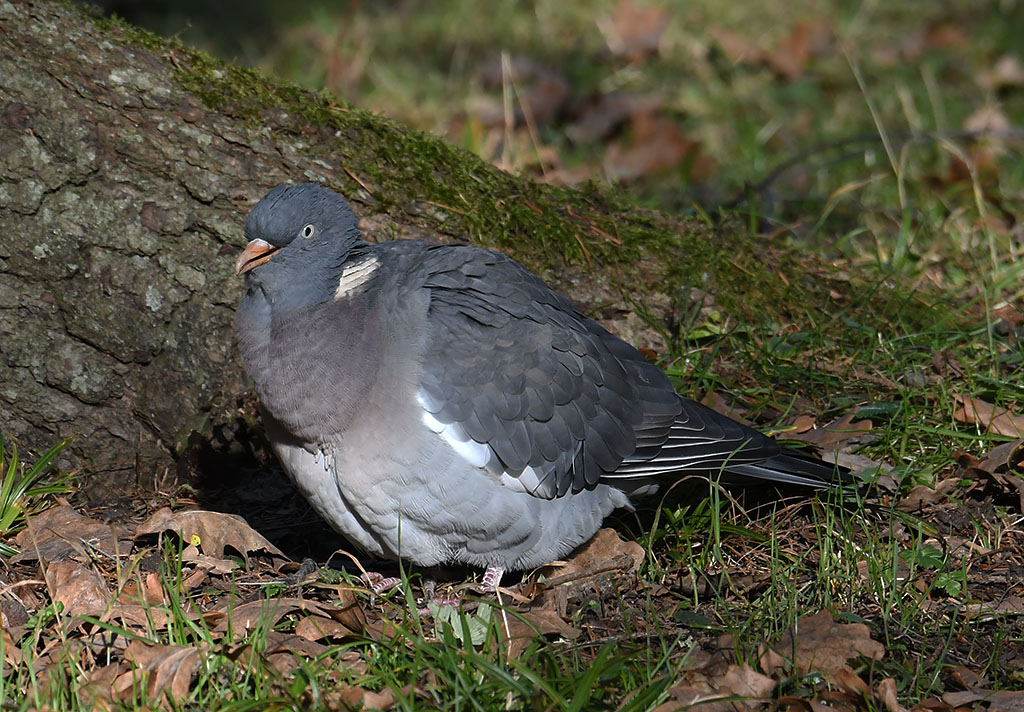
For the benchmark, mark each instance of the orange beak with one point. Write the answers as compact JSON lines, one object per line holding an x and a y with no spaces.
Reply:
{"x":255,"y":253}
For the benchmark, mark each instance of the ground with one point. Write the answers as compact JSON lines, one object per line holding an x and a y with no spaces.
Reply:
{"x":877,"y":137}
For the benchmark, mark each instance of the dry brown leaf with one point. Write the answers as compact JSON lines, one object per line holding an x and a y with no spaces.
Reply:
{"x":169,"y":668}
{"x":278,"y":642}
{"x":1006,"y":72}
{"x":59,"y":531}
{"x":80,"y":589}
{"x":885,"y":695}
{"x":606,"y":551}
{"x":851,"y":683}
{"x":601,"y":115}
{"x":921,"y":495}
{"x":964,"y":697}
{"x":215,"y":531}
{"x":818,"y":642}
{"x":734,"y":409}
{"x":656,"y":145}
{"x":1012,"y":314}
{"x":524,"y":627}
{"x":967,"y":678}
{"x":996,"y":466}
{"x":944,"y":34}
{"x":801,"y":424}
{"x":98,"y":687}
{"x":932,"y":705}
{"x":1002,"y":457}
{"x":268,"y":612}
{"x":12,"y":653}
{"x":149,"y":589}
{"x":975,"y":411}
{"x":221,"y":567}
{"x":143,"y":617}
{"x":737,"y":48}
{"x":634,"y":31}
{"x":1005,"y":701}
{"x":540,"y":92}
{"x":320,"y":627}
{"x":1010,"y":605}
{"x":738,"y":688}
{"x":832,"y":436}
{"x":790,"y":57}
{"x":357,"y":698}
{"x":743,"y":681}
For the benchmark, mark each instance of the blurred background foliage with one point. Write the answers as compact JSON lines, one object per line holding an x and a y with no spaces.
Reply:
{"x":882,"y":132}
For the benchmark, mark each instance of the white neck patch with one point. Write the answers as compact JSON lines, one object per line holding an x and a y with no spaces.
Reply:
{"x":354,"y":276}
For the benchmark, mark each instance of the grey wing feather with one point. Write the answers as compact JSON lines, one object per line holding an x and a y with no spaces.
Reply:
{"x":521,"y":369}
{"x":561,"y":403}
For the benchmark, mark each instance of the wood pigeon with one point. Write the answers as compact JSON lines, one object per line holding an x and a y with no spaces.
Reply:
{"x":439,"y":403}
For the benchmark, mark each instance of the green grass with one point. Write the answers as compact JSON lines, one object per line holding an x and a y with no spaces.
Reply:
{"x":26,"y":489}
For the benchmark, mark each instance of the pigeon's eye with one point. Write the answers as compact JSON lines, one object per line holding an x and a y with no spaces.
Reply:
{"x":309,"y":230}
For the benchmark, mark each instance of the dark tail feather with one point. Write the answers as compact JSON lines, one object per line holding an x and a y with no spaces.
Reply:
{"x":794,"y":468}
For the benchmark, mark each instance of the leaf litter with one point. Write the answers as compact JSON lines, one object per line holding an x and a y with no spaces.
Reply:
{"x":116,"y":603}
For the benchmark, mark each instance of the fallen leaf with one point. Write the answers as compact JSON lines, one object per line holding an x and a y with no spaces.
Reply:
{"x":606,"y":551}
{"x":975,"y":411}
{"x":988,"y":118}
{"x":967,"y":678}
{"x":1007,"y":72}
{"x":921,"y":495}
{"x":98,"y":688}
{"x":13,"y":654}
{"x":268,"y":612}
{"x":1005,"y":701}
{"x":996,"y":466}
{"x":60,"y":531}
{"x":655,"y":145}
{"x":832,"y":436}
{"x":603,"y":114}
{"x":734,"y":409}
{"x":190,"y":554}
{"x":169,"y":668}
{"x":149,"y":590}
{"x":277,"y":641}
{"x":1010,"y":605}
{"x":932,"y":705}
{"x":738,"y":688}
{"x":818,"y":642}
{"x":885,"y":695}
{"x":526,"y":626}
{"x":944,"y":34}
{"x":634,"y":31}
{"x":80,"y":589}
{"x":790,"y":56}
{"x":357,"y":698}
{"x":540,"y":92}
{"x":737,"y":48}
{"x":320,"y":627}
{"x":1002,"y":457}
{"x":965,"y":697}
{"x":851,"y":683}
{"x":214,"y":531}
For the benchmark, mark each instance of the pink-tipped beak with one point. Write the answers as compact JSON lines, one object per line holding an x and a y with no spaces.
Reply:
{"x":255,"y":253}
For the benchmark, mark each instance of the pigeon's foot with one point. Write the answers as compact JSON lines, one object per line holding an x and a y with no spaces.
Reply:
{"x":491,"y":580}
{"x":380,"y":583}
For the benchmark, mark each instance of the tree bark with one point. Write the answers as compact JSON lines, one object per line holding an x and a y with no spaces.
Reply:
{"x":128,"y":166}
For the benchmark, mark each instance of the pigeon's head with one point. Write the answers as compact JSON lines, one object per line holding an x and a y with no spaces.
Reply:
{"x":301,"y":228}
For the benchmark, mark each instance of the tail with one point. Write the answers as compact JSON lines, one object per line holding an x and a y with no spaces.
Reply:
{"x":794,"y":468}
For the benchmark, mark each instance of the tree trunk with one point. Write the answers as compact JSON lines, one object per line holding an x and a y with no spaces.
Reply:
{"x":128,"y":166}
